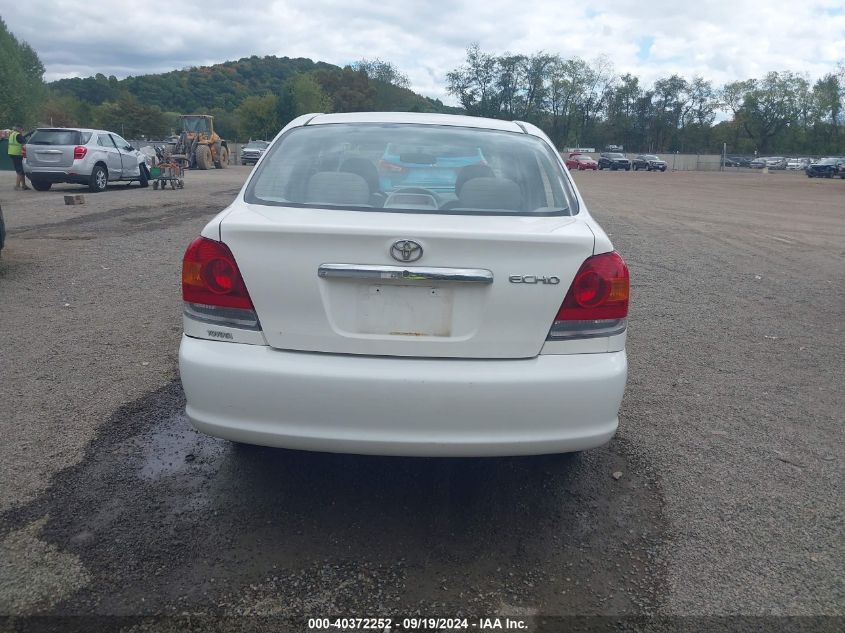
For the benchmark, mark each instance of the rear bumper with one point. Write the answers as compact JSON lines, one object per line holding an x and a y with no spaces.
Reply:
{"x":44,"y":174}
{"x":402,"y":406}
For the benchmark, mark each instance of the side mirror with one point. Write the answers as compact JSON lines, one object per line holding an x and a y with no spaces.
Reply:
{"x":129,"y":148}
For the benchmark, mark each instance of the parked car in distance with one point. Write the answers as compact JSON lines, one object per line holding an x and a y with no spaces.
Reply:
{"x":649,"y":162}
{"x":614,"y":161}
{"x":580,"y":162}
{"x":757,"y":163}
{"x":794,"y":164}
{"x":252,"y":151}
{"x":825,"y":167}
{"x":83,"y":156}
{"x":738,"y":161}
{"x":485,"y":318}
{"x":775,"y":162}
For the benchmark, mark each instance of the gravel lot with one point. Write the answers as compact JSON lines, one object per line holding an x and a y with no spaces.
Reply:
{"x":730,"y":444}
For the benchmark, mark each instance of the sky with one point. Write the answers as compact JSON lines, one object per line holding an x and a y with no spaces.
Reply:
{"x":720,"y":40}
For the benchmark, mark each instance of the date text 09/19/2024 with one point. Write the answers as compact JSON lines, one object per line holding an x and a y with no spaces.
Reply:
{"x":417,"y":624}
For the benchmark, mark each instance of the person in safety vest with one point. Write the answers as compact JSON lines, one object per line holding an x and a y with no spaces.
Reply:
{"x":16,"y":142}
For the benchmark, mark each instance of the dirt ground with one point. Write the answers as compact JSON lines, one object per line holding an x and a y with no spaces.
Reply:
{"x":730,"y":442}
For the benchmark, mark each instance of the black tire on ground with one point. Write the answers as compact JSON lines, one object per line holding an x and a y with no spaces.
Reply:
{"x":223,"y":163}
{"x":144,"y":181}
{"x":203,"y":157}
{"x":601,"y":166}
{"x":40,"y":185}
{"x":628,"y":168}
{"x":99,"y":179}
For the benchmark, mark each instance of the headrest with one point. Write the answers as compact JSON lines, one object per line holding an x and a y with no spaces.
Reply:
{"x":363,"y":168}
{"x":469,"y":172}
{"x":337,"y":187}
{"x":491,"y":193}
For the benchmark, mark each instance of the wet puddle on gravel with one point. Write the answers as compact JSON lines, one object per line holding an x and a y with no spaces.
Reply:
{"x":175,"y":520}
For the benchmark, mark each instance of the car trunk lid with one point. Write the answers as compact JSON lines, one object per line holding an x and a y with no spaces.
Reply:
{"x":325,"y":280}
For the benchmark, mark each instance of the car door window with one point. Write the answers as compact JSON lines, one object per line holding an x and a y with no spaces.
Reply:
{"x":104,"y":140}
{"x":121,"y":143}
{"x":128,"y":158}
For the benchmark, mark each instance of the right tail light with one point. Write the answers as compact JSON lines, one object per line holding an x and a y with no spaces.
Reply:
{"x":597,"y":301}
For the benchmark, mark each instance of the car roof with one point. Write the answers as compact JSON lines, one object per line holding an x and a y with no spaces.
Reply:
{"x":75,"y":129}
{"x":427,"y":118}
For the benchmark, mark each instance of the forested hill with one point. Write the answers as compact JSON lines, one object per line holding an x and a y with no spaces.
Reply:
{"x":225,"y":86}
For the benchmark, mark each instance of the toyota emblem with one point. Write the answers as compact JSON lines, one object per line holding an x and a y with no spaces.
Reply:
{"x":406,"y":250}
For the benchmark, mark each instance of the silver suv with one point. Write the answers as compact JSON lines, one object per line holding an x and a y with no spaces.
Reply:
{"x":83,"y":156}
{"x":252,"y":151}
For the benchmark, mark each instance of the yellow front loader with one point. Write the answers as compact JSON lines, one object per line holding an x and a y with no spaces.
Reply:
{"x":199,"y":145}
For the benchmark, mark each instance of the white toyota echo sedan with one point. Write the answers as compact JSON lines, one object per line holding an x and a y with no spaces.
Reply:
{"x":406,"y":284}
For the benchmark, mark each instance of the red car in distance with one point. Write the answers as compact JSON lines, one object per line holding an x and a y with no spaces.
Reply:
{"x":580,"y":162}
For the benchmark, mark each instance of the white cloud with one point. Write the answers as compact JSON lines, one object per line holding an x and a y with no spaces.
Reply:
{"x":720,"y":40}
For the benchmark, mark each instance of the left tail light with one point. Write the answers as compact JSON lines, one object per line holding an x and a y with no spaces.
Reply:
{"x":597,"y":301}
{"x":213,"y":288}
{"x":388,"y":167}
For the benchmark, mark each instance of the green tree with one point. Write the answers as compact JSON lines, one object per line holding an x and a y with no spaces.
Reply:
{"x":64,"y":111}
{"x":350,"y":90}
{"x":257,"y":117}
{"x":828,"y":102}
{"x":300,"y":95}
{"x":130,"y":118}
{"x":385,"y":72}
{"x":21,"y":80}
{"x":767,"y":107}
{"x":286,"y":109}
{"x":475,"y":84}
{"x":225,"y":123}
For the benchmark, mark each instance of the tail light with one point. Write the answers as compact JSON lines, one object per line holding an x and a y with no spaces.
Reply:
{"x":79,"y":152}
{"x":213,"y":288}
{"x":597,"y":301}
{"x":387,"y":166}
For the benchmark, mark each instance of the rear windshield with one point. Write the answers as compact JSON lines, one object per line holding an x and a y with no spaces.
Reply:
{"x":615,"y":156}
{"x":58,"y":137}
{"x":407,"y":168}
